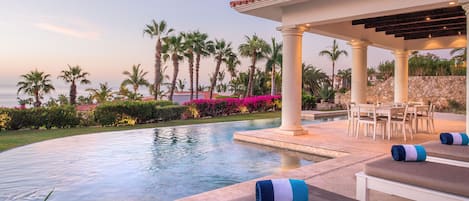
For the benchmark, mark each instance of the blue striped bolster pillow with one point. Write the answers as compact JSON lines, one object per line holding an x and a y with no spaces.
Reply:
{"x":408,"y":152}
{"x":454,"y":138}
{"x":281,"y":190}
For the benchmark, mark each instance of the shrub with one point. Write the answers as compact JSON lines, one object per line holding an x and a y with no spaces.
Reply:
{"x":116,"y":113}
{"x":308,"y":102}
{"x":59,"y":117}
{"x":227,"y":106}
{"x":4,"y":121}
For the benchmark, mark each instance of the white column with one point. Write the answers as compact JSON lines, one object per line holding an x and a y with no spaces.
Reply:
{"x":291,"y":81}
{"x":466,"y":8}
{"x":359,"y":70}
{"x":401,"y":76}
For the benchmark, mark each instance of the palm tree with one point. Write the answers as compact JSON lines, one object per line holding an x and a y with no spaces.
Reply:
{"x":102,"y":94}
{"x":202,"y":47}
{"x":222,"y":52}
{"x":163,"y":81}
{"x":174,"y":48}
{"x":181,"y":84}
{"x":72,"y":75}
{"x":346,"y":76}
{"x":231,"y":64}
{"x":334,"y":54}
{"x":459,"y":54}
{"x":189,"y":54}
{"x":255,"y":48}
{"x":159,"y":30}
{"x":35,"y":84}
{"x":274,"y":59}
{"x":136,"y":78}
{"x":313,"y":79}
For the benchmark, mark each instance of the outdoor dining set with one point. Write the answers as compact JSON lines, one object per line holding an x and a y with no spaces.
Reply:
{"x":390,"y":119}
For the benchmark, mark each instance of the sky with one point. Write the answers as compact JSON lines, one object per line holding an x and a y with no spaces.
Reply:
{"x":105,"y":38}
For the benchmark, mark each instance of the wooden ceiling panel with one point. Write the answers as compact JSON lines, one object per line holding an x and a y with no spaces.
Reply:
{"x":440,"y":22}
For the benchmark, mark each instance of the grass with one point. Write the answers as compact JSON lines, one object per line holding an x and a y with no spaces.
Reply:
{"x":12,"y":139}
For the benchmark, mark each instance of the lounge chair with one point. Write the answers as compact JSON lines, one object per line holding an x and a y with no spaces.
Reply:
{"x":421,"y":181}
{"x":447,"y":154}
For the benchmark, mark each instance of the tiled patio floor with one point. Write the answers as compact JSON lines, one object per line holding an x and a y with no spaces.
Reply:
{"x":329,"y":139}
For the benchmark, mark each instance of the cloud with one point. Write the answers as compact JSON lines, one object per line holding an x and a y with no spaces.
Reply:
{"x":90,"y":35}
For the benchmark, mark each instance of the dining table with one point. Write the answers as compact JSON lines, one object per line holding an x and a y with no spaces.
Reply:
{"x":384,"y":110}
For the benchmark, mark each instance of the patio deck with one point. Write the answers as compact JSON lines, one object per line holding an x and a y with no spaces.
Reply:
{"x":336,"y":175}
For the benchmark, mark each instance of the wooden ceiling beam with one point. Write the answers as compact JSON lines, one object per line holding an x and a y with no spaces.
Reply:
{"x":434,"y":35}
{"x":413,"y":28}
{"x":422,"y":24}
{"x":452,"y":30}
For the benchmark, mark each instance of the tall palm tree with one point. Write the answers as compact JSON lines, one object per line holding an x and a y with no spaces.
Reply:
{"x":231,"y":64}
{"x":136,"y":78}
{"x":102,"y":94}
{"x":160,"y":31}
{"x":222,"y":52}
{"x":72,"y":75}
{"x":313,"y":79}
{"x":333,"y":54}
{"x":163,"y":81}
{"x":256,"y":48}
{"x":174,"y":48}
{"x":202,"y":48}
{"x":189,"y":54}
{"x":274,"y":59}
{"x":35,"y":84}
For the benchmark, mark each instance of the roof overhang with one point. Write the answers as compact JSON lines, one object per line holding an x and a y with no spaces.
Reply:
{"x":334,"y":18}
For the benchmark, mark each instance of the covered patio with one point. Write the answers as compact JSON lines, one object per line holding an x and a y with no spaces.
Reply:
{"x":395,"y":25}
{"x":398,"y":26}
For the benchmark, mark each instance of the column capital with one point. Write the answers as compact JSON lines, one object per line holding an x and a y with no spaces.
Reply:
{"x":401,"y":53}
{"x":358,"y":44}
{"x":292,"y":30}
{"x":465,"y":6}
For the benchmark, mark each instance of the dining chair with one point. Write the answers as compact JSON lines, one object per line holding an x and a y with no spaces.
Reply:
{"x":369,"y":120}
{"x":426,"y":115}
{"x":403,"y":119}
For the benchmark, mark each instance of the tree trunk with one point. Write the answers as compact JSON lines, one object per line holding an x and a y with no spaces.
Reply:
{"x":251,"y":75}
{"x":214,"y":78}
{"x":333,"y":75}
{"x":197,"y":66}
{"x":157,"y":68}
{"x":135,"y":89}
{"x":272,"y":81}
{"x":73,"y":93}
{"x":37,"y":102}
{"x":191,"y":73}
{"x":174,"y":57}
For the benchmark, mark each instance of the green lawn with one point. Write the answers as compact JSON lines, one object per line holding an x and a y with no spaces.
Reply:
{"x":12,"y":139}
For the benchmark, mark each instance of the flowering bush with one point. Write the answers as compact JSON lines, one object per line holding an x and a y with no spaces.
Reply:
{"x":227,"y":106}
{"x":4,"y":121}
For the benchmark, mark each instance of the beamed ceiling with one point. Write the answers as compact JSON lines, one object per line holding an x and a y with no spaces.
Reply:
{"x":450,"y":21}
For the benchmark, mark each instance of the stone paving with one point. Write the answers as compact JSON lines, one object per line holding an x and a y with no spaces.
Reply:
{"x":348,"y":153}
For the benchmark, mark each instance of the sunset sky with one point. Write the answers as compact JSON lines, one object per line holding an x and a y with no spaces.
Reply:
{"x":105,"y":38}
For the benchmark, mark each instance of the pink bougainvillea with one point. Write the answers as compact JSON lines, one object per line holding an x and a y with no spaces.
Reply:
{"x":227,"y":106}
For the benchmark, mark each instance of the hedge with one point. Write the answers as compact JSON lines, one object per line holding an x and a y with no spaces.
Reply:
{"x":59,"y":117}
{"x":142,"y":112}
{"x":227,"y":106}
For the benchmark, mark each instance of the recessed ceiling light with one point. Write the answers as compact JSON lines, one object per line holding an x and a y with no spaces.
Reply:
{"x":452,"y":3}
{"x":308,"y":25}
{"x":459,"y":33}
{"x":429,"y":35}
{"x":445,"y":27}
{"x":428,"y":18}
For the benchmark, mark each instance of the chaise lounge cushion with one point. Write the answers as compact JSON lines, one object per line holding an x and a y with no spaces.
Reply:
{"x":453,"y":152}
{"x":439,"y":177}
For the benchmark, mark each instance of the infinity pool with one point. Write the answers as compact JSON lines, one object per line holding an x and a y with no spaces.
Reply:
{"x":147,"y":164}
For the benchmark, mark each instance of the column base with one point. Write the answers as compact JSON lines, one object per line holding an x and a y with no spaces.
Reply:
{"x":292,"y":132}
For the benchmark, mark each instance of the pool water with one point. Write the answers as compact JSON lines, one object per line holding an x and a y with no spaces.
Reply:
{"x":148,"y":164}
